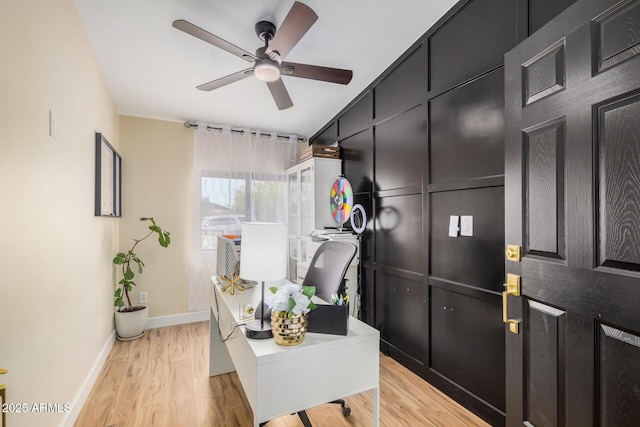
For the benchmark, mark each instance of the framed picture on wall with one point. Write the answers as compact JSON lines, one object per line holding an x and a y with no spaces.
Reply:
{"x":108,"y":192}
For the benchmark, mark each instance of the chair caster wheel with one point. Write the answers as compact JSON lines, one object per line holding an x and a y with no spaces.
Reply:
{"x":346,"y":411}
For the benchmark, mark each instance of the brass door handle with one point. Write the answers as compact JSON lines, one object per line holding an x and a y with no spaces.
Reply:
{"x":512,"y":288}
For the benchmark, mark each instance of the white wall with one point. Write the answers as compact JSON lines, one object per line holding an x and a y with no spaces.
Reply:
{"x":56,"y":277}
{"x":157,"y":174}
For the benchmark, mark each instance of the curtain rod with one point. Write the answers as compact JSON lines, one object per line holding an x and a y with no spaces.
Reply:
{"x":188,"y":124}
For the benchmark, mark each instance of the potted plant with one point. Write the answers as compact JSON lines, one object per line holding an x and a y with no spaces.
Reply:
{"x":131,"y":320}
{"x":289,"y":306}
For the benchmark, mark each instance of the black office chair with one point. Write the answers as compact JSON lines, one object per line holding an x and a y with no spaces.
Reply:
{"x":326,"y":272}
{"x":328,"y":267}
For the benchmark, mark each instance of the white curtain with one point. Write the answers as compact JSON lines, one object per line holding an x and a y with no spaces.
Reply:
{"x":239,"y":177}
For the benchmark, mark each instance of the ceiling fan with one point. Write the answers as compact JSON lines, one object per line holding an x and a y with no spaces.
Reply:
{"x":268,"y":64}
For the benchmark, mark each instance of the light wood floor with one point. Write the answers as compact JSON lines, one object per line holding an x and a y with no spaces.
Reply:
{"x":162,"y":380}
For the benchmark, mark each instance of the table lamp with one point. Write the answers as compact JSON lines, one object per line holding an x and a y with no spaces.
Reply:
{"x":263,"y":257}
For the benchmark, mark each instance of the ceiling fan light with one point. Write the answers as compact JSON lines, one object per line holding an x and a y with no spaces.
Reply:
{"x":267,"y":71}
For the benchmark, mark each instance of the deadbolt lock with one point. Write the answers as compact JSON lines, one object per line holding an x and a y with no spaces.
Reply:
{"x":513,"y":253}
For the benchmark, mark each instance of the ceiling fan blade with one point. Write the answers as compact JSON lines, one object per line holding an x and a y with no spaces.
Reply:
{"x":297,"y":22}
{"x":280,"y":94}
{"x":316,"y":72}
{"x":206,"y":36}
{"x":215,"y":84}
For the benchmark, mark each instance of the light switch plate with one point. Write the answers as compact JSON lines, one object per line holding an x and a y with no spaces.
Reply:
{"x":453,"y":225}
{"x":466,"y":225}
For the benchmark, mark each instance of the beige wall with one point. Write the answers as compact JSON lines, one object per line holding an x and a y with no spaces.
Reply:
{"x":56,"y":277}
{"x":157,"y":159}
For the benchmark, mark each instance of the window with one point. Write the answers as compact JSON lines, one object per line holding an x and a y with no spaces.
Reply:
{"x":230,"y":198}
{"x":238,"y":177}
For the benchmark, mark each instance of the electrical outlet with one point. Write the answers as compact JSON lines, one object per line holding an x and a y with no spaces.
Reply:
{"x":142,"y":298}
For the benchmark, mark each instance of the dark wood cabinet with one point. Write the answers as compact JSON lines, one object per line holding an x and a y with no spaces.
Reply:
{"x":426,"y":141}
{"x":398,"y":245}
{"x":401,"y":330}
{"x":473,"y":261}
{"x":467,"y":130}
{"x":400,"y":90}
{"x":471,"y":42}
{"x":357,"y":118}
{"x":328,"y":136}
{"x":357,"y":161}
{"x":462,"y":320}
{"x":401,"y":146}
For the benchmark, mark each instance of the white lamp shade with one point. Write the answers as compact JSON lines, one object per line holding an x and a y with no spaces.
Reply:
{"x":263,"y":251}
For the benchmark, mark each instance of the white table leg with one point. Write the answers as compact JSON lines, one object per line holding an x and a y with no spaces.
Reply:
{"x":219,"y":360}
{"x":376,"y":407}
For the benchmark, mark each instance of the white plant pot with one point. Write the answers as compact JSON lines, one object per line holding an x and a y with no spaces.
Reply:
{"x":130,"y":325}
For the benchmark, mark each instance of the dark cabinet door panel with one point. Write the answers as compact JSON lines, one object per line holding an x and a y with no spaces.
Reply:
{"x":401,"y":145}
{"x":401,"y":89}
{"x":467,"y":344}
{"x":471,"y":260}
{"x":480,"y":32}
{"x":401,"y":313}
{"x":467,"y":130}
{"x":398,"y":227}
{"x":328,"y":136}
{"x":357,"y":161}
{"x":357,"y":118}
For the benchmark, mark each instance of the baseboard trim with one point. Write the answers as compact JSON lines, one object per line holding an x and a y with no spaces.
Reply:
{"x":80,"y":399}
{"x":177,"y":319}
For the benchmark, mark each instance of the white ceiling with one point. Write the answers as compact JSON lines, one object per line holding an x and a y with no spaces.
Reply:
{"x":152,"y":69}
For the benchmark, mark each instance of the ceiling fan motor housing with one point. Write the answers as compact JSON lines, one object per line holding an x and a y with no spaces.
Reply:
{"x":265,"y":31}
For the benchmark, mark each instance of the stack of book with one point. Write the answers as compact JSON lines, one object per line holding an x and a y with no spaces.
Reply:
{"x":316,"y":150}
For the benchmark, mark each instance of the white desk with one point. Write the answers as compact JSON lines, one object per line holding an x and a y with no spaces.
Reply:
{"x":320,"y":369}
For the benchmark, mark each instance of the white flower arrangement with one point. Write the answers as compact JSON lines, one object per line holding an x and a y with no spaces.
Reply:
{"x":291,"y":298}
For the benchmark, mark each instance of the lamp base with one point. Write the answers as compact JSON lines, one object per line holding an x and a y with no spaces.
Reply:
{"x":257,"y":331}
{"x":263,"y":311}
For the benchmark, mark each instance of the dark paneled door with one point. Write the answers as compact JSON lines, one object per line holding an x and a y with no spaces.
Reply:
{"x":572,"y":197}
